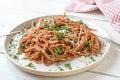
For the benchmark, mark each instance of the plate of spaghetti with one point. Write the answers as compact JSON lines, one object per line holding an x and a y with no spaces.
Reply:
{"x":56,"y":45}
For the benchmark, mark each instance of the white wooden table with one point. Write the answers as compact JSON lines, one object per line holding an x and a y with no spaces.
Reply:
{"x":14,"y":12}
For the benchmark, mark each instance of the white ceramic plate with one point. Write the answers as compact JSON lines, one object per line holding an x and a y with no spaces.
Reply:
{"x":77,"y":65}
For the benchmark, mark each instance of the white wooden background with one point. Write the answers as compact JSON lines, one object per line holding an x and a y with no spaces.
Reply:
{"x":14,"y":12}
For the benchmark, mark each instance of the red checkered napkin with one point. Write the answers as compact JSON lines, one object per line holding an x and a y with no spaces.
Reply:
{"x":110,"y":8}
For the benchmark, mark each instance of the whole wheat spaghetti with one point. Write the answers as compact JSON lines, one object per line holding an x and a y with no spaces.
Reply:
{"x":58,"y":39}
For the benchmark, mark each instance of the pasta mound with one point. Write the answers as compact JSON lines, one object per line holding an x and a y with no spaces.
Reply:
{"x":58,"y":39}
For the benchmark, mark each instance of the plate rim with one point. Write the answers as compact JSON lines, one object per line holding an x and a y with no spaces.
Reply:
{"x":46,"y":73}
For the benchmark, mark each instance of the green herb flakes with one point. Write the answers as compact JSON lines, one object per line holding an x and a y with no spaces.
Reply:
{"x":86,"y":44}
{"x":30,"y":65}
{"x":18,"y":32}
{"x":22,"y":47}
{"x":92,"y":59}
{"x":54,"y":28}
{"x":96,"y":55}
{"x":68,"y":66}
{"x":67,"y":30}
{"x":58,"y":51}
{"x":60,"y":35}
{"x":12,"y":44}
{"x":61,"y":69}
{"x":46,"y":25}
{"x":80,"y":22}
{"x":15,"y":56}
{"x":11,"y":41}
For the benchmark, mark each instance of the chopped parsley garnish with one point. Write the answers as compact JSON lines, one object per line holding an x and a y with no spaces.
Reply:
{"x":60,"y":35}
{"x":58,"y":51}
{"x":22,"y":47}
{"x":54,"y":28}
{"x":12,"y":44}
{"x":86,"y":44}
{"x":15,"y":56}
{"x":96,"y":55}
{"x":46,"y":25}
{"x":11,"y":41}
{"x":80,"y":22}
{"x":64,"y":27}
{"x":18,"y":32}
{"x":30,"y":65}
{"x":92,"y":59}
{"x":67,"y":30}
{"x":34,"y":24}
{"x":68,"y":66}
{"x":61,"y":69}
